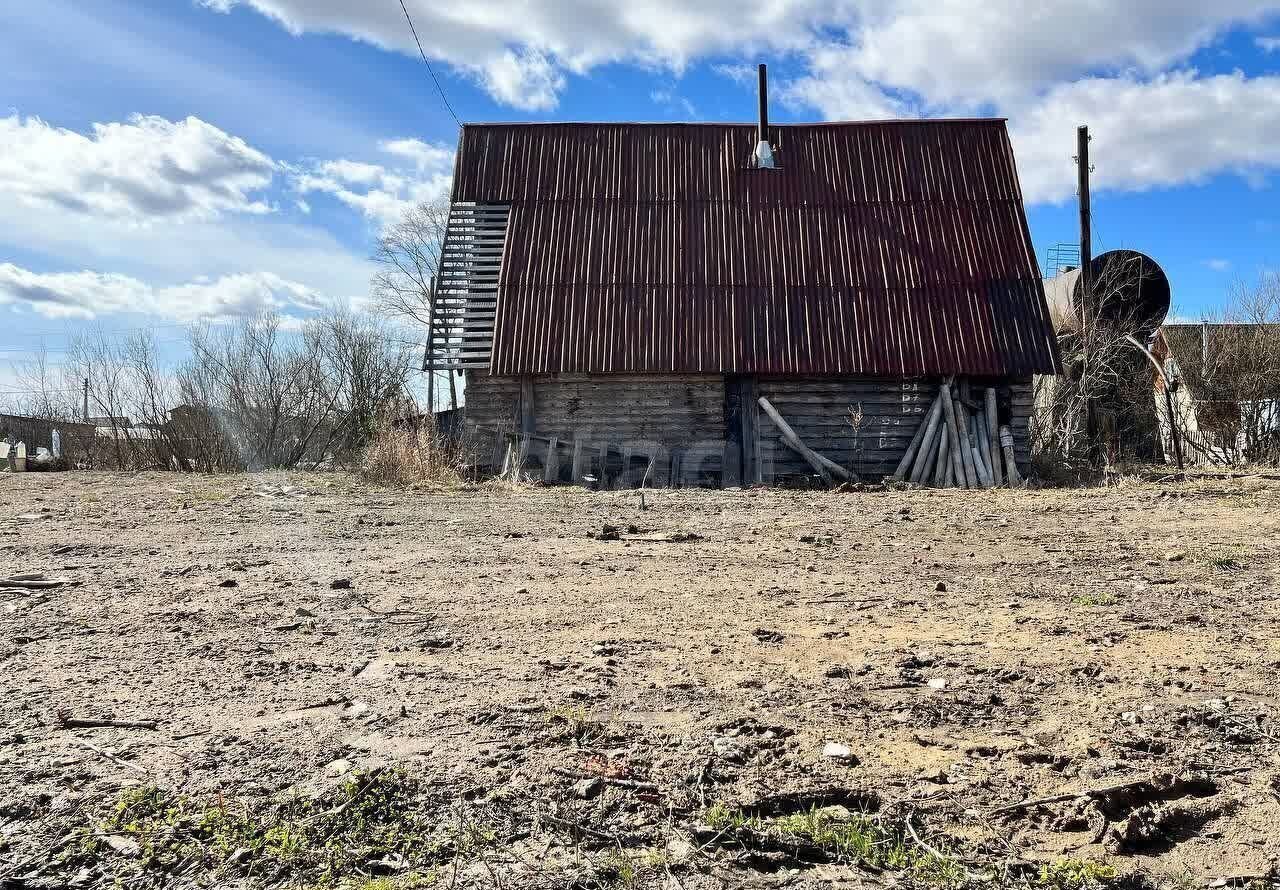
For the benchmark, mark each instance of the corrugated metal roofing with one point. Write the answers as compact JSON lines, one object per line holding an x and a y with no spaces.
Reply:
{"x":896,"y":248}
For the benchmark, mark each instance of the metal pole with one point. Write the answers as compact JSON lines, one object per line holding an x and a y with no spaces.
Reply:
{"x":1086,"y":228}
{"x":764,"y":105}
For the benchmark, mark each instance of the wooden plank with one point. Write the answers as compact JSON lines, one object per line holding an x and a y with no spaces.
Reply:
{"x":953,"y":434}
{"x":823,"y":466}
{"x":551,"y":465}
{"x":927,"y":425}
{"x":604,"y":465}
{"x":527,"y":416}
{"x":993,"y":434}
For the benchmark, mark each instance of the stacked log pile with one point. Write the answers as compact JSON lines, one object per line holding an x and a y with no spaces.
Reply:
{"x":961,"y":444}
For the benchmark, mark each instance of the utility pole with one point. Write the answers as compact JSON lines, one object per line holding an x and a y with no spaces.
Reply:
{"x":1086,"y":226}
{"x":1086,"y":281}
{"x":85,"y":416}
{"x":429,"y":362}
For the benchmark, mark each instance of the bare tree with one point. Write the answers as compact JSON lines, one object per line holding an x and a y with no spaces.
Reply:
{"x":1101,"y":409}
{"x":408,"y":257}
{"x":1231,"y":377}
{"x":265,"y":397}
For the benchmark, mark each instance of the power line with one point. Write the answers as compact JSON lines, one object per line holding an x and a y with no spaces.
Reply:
{"x":439,"y":88}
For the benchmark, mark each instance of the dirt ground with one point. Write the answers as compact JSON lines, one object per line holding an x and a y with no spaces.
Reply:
{"x":647,"y":706}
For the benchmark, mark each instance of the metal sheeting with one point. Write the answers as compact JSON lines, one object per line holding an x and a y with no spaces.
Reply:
{"x":884,"y":248}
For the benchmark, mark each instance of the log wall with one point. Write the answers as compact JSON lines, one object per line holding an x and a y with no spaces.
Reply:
{"x":863,"y":423}
{"x":636,"y":417}
{"x":887,"y":412}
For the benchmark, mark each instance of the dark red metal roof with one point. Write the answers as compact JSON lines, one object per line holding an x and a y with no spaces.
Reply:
{"x":894,"y":248}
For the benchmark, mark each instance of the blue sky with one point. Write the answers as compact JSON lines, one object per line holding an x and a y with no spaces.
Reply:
{"x":164,"y":161}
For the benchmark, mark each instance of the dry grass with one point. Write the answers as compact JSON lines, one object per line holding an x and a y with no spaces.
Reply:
{"x":403,"y":455}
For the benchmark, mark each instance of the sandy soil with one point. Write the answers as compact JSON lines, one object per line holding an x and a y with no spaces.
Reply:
{"x":970,"y":650}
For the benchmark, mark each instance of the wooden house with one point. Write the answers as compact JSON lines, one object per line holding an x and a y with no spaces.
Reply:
{"x":620,"y":296}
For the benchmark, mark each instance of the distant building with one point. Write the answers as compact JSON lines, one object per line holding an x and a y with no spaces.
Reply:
{"x":1224,"y":382}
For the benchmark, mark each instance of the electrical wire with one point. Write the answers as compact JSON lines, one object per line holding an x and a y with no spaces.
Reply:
{"x":434,"y":80}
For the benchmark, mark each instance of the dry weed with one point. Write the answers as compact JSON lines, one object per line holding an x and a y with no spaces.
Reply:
{"x":403,"y":453}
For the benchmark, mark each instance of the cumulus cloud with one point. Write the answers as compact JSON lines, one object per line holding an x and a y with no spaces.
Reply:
{"x":1171,"y":129}
{"x":382,"y":193}
{"x":521,"y":58}
{"x":978,"y":51}
{"x":88,"y":294}
{"x":143,"y":170}
{"x":945,"y":51}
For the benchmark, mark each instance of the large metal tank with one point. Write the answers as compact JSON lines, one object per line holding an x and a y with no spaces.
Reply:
{"x":1130,"y":291}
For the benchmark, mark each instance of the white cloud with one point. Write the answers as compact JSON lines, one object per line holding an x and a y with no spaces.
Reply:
{"x":1169,"y":130}
{"x":520,"y":56}
{"x":945,"y":51}
{"x":528,"y":80}
{"x":839,"y":95}
{"x":142,"y":171}
{"x":424,"y":155}
{"x":88,"y":294}
{"x":671,"y":99}
{"x":1268,"y":44}
{"x":975,"y":51}
{"x":1218,"y":264}
{"x":380,"y":193}
{"x":741,"y":74}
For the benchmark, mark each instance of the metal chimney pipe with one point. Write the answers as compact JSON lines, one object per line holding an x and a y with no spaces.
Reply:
{"x":764,"y":105}
{"x":764,"y":149}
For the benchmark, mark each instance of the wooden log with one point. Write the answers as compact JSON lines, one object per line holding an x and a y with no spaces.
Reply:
{"x":929,"y":441}
{"x":827,"y":462}
{"x":953,"y":435}
{"x":789,"y":436}
{"x":551,"y":464}
{"x":993,"y":435}
{"x":930,"y":452}
{"x":509,"y":457}
{"x":966,"y":446}
{"x":976,"y":422}
{"x":1010,"y":460}
{"x":908,"y":459}
{"x":523,"y":458}
{"x":990,"y":458}
{"x":624,"y":481}
{"x":943,"y":463}
{"x":604,"y":466}
{"x":984,"y":478}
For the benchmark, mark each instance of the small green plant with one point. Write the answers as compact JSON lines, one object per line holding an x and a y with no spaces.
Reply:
{"x":848,"y":837}
{"x":577,"y":722}
{"x":1077,"y":874}
{"x":384,"y":814}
